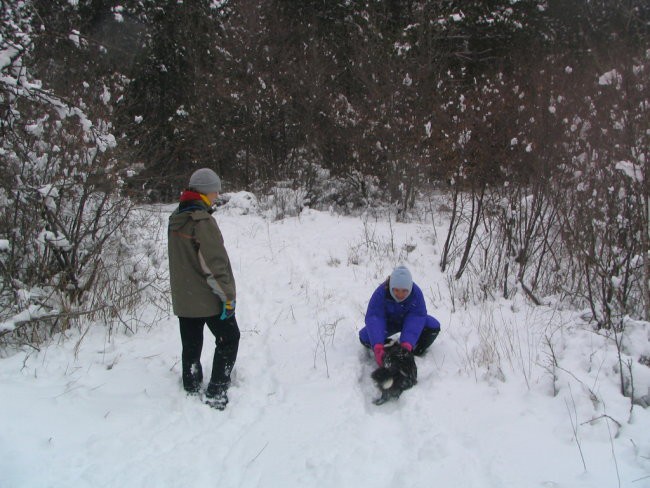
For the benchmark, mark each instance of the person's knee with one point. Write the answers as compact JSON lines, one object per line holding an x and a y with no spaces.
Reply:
{"x":232,"y":334}
{"x":364,"y":338}
{"x":432,"y":323}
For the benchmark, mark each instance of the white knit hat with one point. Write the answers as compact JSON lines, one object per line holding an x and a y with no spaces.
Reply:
{"x":400,"y":278}
{"x":205,"y":181}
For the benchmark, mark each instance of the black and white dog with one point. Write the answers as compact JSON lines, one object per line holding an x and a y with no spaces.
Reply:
{"x":398,"y":373}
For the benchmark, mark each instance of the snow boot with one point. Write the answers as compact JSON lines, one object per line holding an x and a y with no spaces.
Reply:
{"x":216,"y":395}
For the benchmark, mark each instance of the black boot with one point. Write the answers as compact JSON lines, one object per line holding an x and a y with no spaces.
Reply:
{"x":216,"y":395}
{"x":192,"y":376}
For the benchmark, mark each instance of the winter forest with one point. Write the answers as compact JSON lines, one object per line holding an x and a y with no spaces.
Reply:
{"x":516,"y":131}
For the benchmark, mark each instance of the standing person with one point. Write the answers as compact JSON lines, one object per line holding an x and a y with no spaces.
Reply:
{"x":203,"y":287}
{"x":397,"y":305}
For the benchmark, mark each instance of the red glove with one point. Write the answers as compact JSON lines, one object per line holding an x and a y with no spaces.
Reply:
{"x":407,"y":346}
{"x":379,"y":354}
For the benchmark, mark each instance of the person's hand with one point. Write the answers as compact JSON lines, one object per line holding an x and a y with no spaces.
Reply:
{"x":408,"y":346}
{"x":379,"y":354}
{"x":228,"y":309}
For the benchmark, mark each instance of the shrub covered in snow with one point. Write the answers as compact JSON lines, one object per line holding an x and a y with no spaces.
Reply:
{"x":66,"y":247}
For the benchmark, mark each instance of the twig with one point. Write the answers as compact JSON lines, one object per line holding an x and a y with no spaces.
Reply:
{"x":257,"y":455}
{"x":592,"y":395}
{"x":152,"y":356}
{"x":611,"y":443}
{"x":604,"y":416}
{"x":529,"y":293}
{"x":574,"y":426}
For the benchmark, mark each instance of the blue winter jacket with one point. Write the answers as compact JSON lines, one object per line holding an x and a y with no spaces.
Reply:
{"x":386,"y":317}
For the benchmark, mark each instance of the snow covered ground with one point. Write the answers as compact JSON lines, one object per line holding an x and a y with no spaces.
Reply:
{"x":489,"y":410}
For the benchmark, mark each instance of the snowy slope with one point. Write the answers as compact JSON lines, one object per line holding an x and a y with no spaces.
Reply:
{"x":106,"y":411}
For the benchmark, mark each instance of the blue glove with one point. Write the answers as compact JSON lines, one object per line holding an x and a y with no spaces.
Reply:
{"x":228,"y":309}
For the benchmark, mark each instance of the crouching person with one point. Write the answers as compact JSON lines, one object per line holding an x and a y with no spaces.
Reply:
{"x":202,"y":287}
{"x":397,"y":306}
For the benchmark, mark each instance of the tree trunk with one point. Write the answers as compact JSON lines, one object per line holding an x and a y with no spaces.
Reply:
{"x":453,"y":223}
{"x":475,"y":217}
{"x":646,"y":260}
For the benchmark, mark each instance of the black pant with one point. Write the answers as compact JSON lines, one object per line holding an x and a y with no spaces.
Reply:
{"x":226,"y":333}
{"x":427,"y":337}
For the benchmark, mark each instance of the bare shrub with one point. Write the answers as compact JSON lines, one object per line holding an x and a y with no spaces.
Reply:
{"x":62,"y":215}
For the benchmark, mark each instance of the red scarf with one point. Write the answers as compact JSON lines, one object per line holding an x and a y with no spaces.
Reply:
{"x":189,"y":195}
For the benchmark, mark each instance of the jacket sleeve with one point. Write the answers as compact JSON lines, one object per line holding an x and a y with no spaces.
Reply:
{"x":214,"y":259}
{"x":415,"y":319}
{"x":376,"y":317}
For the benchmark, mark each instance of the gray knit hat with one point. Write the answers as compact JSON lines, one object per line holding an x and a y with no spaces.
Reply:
{"x":205,"y":181}
{"x":400,"y":278}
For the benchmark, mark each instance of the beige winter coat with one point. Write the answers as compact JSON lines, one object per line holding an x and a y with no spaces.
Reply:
{"x":199,"y":268}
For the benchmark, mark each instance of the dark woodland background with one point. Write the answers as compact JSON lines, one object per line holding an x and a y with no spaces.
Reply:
{"x":531,"y":118}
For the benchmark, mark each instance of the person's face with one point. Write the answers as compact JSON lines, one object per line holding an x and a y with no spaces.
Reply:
{"x":212,"y":197}
{"x":400,"y":293}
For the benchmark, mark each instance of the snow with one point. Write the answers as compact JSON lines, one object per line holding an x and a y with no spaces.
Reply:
{"x":75,"y":38}
{"x":631,"y":170}
{"x":33,"y":311}
{"x":242,"y":202}
{"x":6,"y":57}
{"x":56,"y":240}
{"x":612,"y":77}
{"x":494,"y":407}
{"x":427,"y":128}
